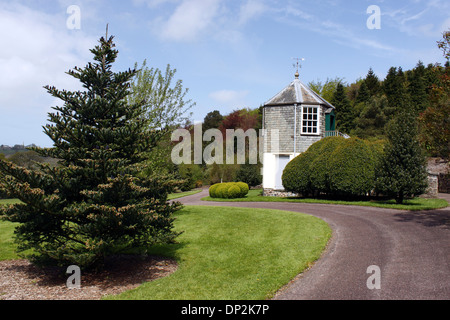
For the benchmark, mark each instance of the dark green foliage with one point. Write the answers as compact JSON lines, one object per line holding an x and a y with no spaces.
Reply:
{"x":402,"y":171}
{"x":250,"y":174}
{"x":395,"y":90}
{"x":344,"y":111}
{"x":229,"y":190}
{"x":94,"y":203}
{"x":319,"y":168}
{"x":352,"y":168}
{"x":417,"y":88}
{"x":191,"y":176}
{"x":373,"y":83}
{"x":212,"y":120}
{"x":372,"y":119}
{"x":333,"y":166}
{"x":296,"y":176}
{"x":363,"y":93}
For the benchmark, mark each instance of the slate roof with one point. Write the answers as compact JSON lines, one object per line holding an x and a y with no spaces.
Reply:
{"x":297,"y":93}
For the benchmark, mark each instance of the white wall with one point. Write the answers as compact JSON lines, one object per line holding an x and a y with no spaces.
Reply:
{"x":270,"y":168}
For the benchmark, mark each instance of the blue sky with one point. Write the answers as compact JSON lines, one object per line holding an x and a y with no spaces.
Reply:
{"x":230,"y":54}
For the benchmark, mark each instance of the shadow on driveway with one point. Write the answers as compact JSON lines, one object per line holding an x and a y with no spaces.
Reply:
{"x":428,"y":218}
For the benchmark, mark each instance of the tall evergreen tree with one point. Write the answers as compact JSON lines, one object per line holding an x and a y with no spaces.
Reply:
{"x":344,"y":112}
{"x":94,"y":204}
{"x":417,"y":88}
{"x":372,"y":120}
{"x":402,"y":170}
{"x":372,"y":82}
{"x":394,"y":87}
{"x":363,"y":93}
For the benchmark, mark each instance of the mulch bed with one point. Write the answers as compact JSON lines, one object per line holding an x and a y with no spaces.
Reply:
{"x":20,"y":280}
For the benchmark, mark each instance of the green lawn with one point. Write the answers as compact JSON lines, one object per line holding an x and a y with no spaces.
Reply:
{"x":415,"y":204}
{"x":183,"y":194}
{"x":7,"y":246}
{"x":226,"y":253}
{"x":231,"y":253}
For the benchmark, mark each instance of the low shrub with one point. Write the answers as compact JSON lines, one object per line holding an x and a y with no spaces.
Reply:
{"x":212,"y":190}
{"x":243,"y":187}
{"x":228,"y":190}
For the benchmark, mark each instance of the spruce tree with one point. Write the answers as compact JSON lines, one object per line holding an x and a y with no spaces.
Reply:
{"x":402,"y":169}
{"x":372,"y":120}
{"x":344,"y":112}
{"x":363,"y":93}
{"x":94,"y":204}
{"x":373,"y":83}
{"x":395,"y":89}
{"x":417,"y":88}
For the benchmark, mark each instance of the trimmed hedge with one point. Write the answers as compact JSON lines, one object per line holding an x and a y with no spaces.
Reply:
{"x":320,"y":167}
{"x":334,"y":166}
{"x":299,"y":174}
{"x":352,"y":168}
{"x":229,"y":190}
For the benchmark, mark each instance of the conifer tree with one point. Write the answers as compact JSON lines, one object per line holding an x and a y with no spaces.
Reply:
{"x":373,"y":83}
{"x":363,"y":93}
{"x":395,"y":89}
{"x":93,"y":204}
{"x":417,"y":88}
{"x":344,"y":112}
{"x":402,"y":170}
{"x":372,"y":120}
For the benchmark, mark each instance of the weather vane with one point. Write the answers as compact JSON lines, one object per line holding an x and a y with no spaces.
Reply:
{"x":297,"y":65}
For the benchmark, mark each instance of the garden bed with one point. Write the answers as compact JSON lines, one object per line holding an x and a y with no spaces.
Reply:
{"x":20,"y":280}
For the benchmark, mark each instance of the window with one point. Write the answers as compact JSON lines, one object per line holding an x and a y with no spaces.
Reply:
{"x":310,"y":120}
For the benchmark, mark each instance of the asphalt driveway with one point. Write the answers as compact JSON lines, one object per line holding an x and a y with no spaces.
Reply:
{"x":410,"y":249}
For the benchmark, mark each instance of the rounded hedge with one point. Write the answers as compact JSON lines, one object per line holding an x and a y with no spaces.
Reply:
{"x":352,"y":168}
{"x":212,"y":189}
{"x":320,"y":166}
{"x":229,"y":190}
{"x":243,"y":187}
{"x":300,"y":174}
{"x":334,"y":166}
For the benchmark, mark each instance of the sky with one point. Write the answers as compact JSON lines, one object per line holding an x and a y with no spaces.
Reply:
{"x":230,"y":54}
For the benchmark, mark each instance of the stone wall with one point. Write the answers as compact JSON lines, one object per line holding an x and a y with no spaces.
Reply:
{"x":444,"y":183}
{"x":432,"y":189}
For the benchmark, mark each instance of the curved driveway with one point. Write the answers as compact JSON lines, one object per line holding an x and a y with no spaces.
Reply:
{"x":411,"y":249}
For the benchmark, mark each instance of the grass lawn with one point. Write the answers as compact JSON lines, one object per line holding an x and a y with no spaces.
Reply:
{"x":7,"y":246}
{"x":182,"y":194}
{"x":415,"y":204}
{"x":226,"y":253}
{"x":235,"y":253}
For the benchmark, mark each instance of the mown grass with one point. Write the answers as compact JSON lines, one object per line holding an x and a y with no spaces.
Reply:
{"x":235,"y":253}
{"x":226,"y":253}
{"x":415,"y":204}
{"x":177,"y":195}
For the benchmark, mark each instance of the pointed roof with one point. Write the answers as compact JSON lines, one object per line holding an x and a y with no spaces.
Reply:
{"x":297,"y":93}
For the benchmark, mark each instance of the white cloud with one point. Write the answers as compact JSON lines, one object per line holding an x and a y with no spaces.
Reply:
{"x":250,"y":10}
{"x":153,"y":3}
{"x":190,"y":19}
{"x":37,"y":50}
